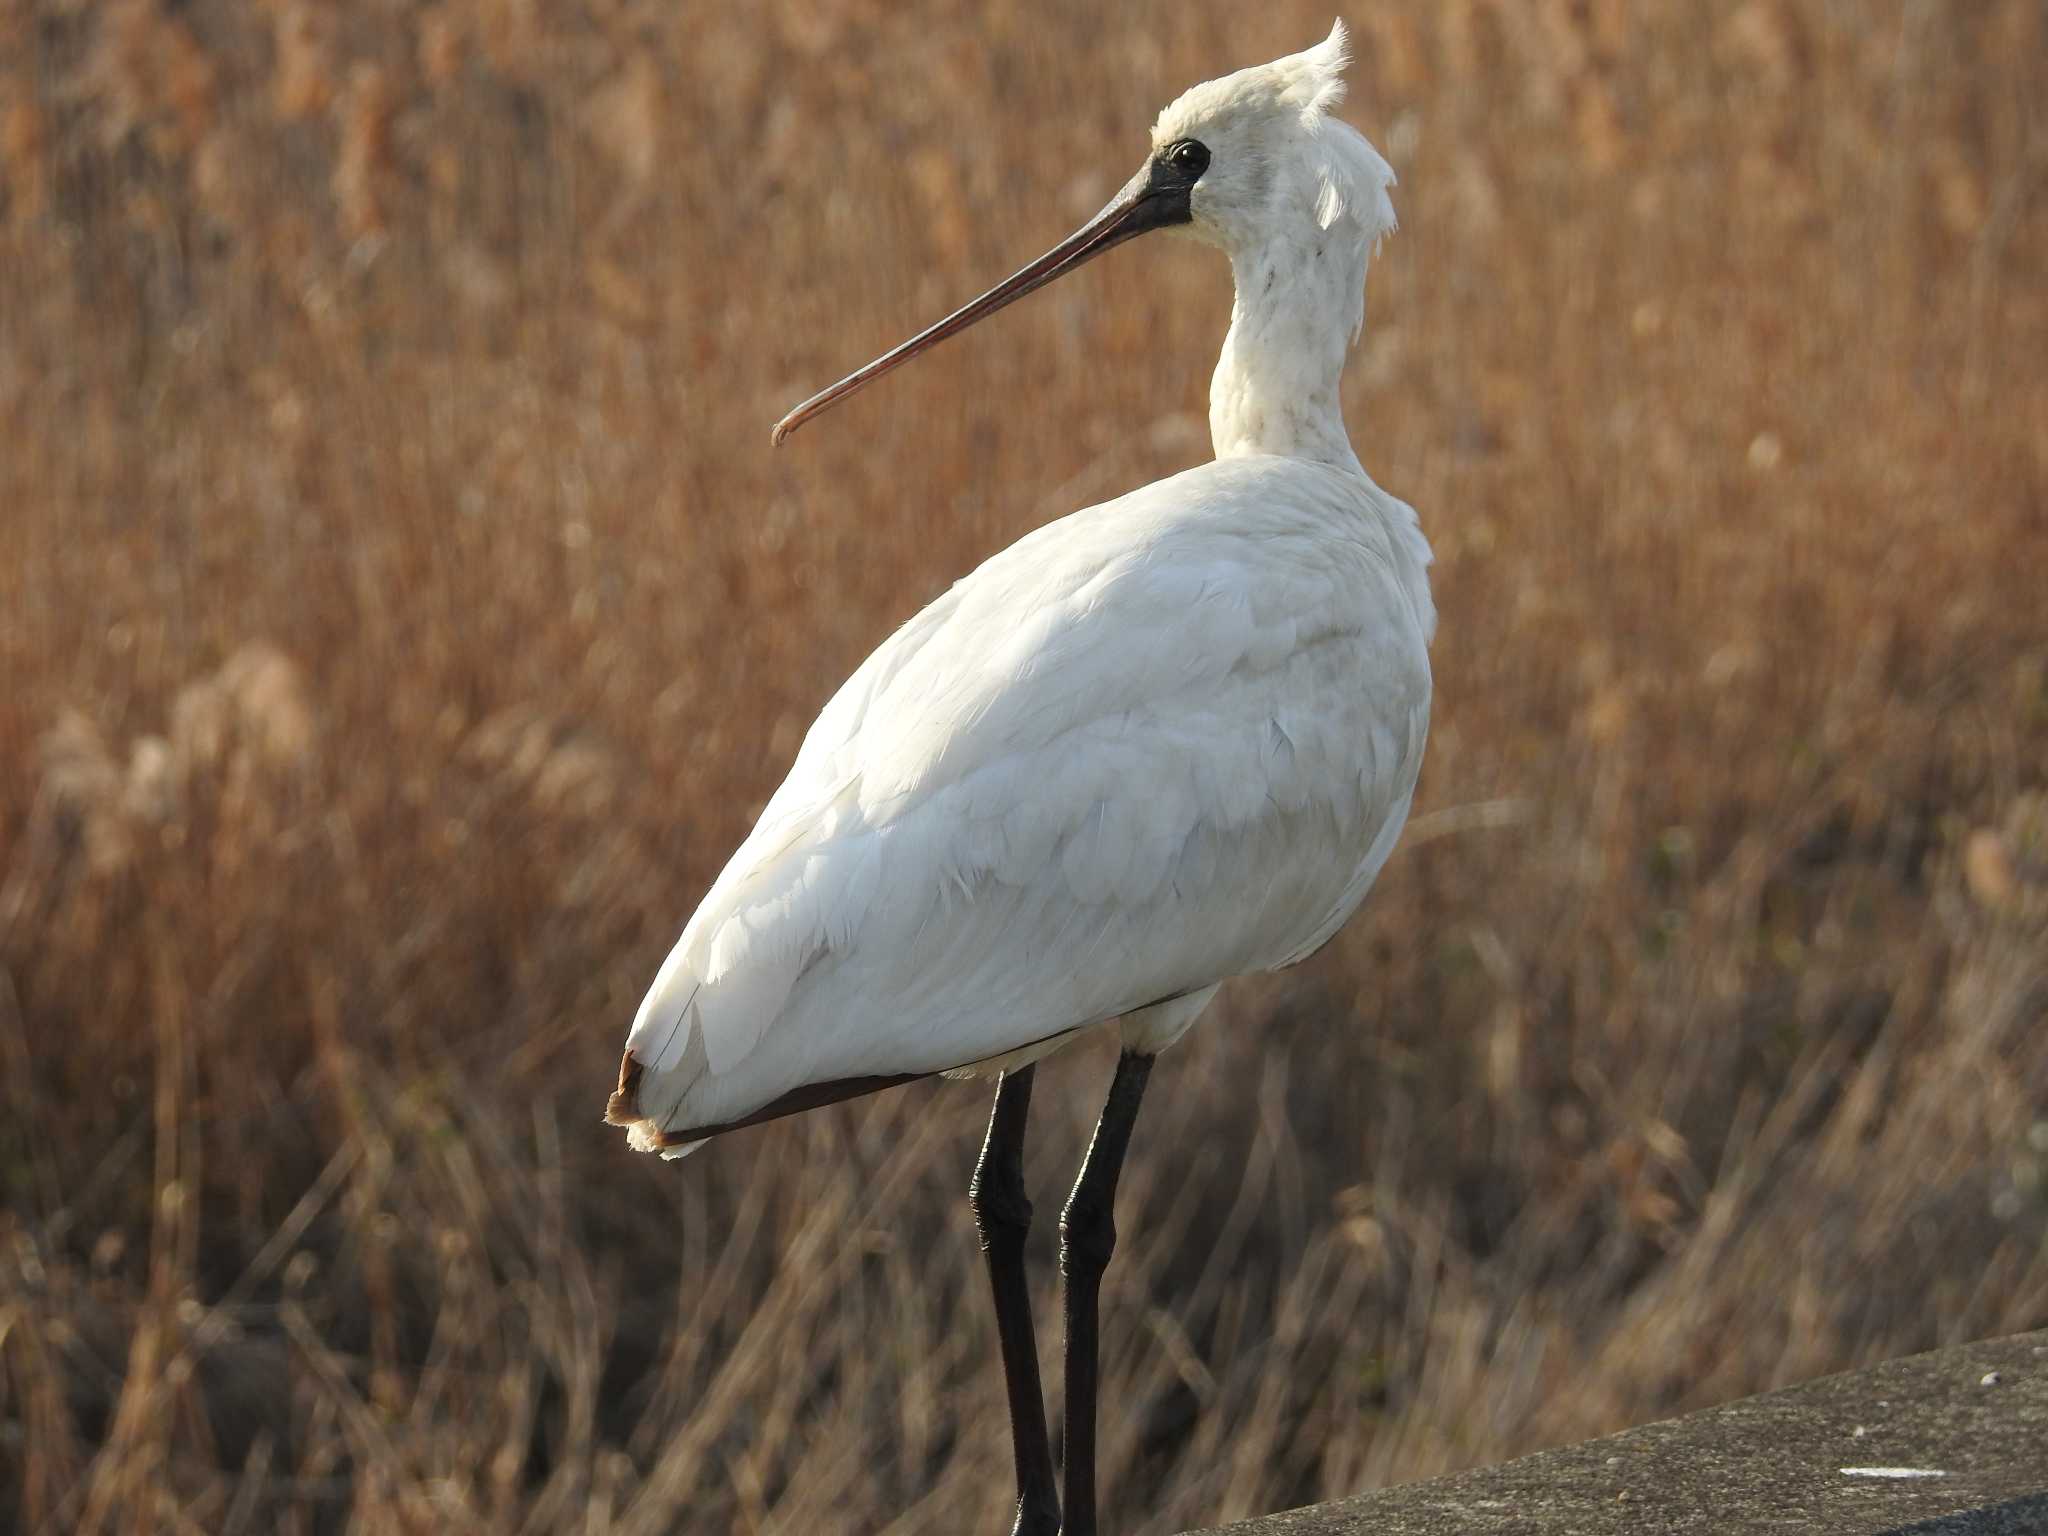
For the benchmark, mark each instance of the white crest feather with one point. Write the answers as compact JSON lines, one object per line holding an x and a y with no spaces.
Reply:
{"x":1318,"y":83}
{"x":1353,"y":177}
{"x":1356,"y":181}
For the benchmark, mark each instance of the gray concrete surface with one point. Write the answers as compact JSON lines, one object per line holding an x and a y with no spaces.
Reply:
{"x":1815,"y":1457}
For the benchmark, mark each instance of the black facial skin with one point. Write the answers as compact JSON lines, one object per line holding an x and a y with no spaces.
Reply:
{"x":1169,"y":184}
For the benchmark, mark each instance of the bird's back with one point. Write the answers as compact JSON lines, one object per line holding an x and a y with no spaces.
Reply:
{"x":1161,"y":742}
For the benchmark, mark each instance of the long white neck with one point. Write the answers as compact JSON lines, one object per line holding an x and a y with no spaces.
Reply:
{"x":1275,"y":388}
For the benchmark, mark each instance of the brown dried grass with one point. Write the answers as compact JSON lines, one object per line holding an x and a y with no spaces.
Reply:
{"x":402,"y":616}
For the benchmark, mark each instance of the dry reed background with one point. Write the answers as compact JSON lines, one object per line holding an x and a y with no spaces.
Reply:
{"x":402,"y":614}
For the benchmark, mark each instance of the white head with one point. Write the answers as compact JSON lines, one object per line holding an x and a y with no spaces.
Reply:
{"x":1274,"y":155}
{"x":1276,"y":166}
{"x":1252,"y":164}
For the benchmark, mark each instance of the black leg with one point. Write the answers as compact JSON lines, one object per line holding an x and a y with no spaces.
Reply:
{"x":1002,"y":1214}
{"x":1087,"y":1238}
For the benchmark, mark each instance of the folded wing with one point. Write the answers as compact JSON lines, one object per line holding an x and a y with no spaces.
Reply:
{"x":1159,"y":743}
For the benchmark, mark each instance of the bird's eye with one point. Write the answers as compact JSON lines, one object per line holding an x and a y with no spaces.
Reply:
{"x":1188,"y":157}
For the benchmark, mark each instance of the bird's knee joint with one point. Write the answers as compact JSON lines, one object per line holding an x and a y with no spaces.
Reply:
{"x":1087,"y":1236}
{"x":1000,"y":1205}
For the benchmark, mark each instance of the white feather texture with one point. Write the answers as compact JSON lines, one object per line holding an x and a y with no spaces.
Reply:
{"x":1164,"y":741}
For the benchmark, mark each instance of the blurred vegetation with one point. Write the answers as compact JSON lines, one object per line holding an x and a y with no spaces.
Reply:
{"x":402,"y":615}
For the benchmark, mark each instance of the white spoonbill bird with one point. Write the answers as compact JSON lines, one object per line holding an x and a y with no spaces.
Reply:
{"x":1156,"y":744}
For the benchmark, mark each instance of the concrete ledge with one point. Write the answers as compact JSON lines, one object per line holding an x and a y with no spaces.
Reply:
{"x":1827,"y":1456}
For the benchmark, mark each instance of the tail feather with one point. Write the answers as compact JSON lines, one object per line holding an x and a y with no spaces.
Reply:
{"x":643,"y":1132}
{"x":624,"y":1106}
{"x":649,"y":1100}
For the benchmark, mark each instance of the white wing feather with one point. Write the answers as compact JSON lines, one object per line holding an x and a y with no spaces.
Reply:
{"x":1161,"y":742}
